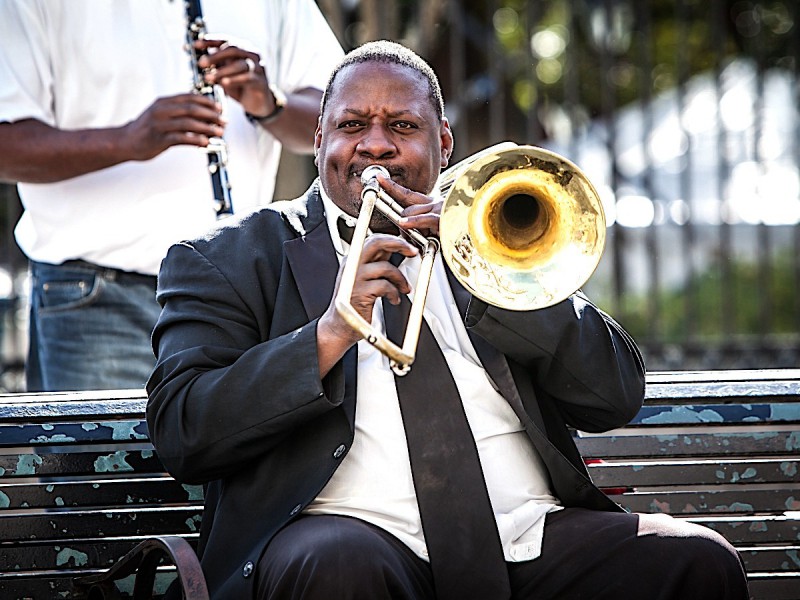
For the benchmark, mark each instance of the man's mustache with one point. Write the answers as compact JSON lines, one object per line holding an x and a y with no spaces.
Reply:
{"x":396,"y":173}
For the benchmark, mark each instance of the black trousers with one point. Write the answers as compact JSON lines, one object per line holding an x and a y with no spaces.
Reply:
{"x":585,"y":555}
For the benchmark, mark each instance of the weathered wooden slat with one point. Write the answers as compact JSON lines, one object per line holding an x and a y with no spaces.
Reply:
{"x":737,"y":392}
{"x":77,"y":554}
{"x":728,"y":501}
{"x":748,"y":530}
{"x":100,"y":493}
{"x":77,"y":406}
{"x":761,"y":559}
{"x":71,"y":461}
{"x":61,"y":433}
{"x":699,"y":415}
{"x":86,"y":397}
{"x":61,"y":524}
{"x":756,"y":376}
{"x":637,"y":473}
{"x":739,"y":387}
{"x":58,"y":585}
{"x":775,"y":588}
{"x":756,"y":442}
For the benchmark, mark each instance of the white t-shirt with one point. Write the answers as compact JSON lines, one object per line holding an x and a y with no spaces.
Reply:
{"x":374,"y":482}
{"x":77,"y":64}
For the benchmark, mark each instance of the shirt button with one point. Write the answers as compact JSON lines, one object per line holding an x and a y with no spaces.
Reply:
{"x":248,"y":569}
{"x":295,"y":510}
{"x":339,"y":451}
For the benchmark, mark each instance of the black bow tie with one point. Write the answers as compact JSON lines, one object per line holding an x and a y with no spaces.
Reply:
{"x":345,"y":230}
{"x":346,"y":233}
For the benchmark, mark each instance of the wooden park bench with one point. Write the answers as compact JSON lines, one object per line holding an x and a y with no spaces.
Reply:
{"x":80,"y":485}
{"x":721,"y":448}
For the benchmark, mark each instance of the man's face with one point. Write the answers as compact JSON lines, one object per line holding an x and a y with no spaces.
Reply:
{"x":379,"y":113}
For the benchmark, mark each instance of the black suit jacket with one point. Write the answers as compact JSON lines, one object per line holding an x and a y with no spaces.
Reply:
{"x":236,"y":401}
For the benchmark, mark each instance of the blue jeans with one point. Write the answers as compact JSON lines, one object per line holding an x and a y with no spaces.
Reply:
{"x":90,"y":328}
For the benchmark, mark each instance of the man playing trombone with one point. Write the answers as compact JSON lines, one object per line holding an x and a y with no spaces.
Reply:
{"x":327,"y":474}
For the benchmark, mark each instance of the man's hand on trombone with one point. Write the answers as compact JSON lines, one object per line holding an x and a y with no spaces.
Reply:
{"x":376,"y":277}
{"x":420,"y":212}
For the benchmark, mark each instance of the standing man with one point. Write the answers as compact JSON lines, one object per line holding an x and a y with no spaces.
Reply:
{"x":104,"y":137}
{"x":328,"y":477}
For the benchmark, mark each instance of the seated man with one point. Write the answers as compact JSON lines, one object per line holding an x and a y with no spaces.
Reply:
{"x":329,"y":477}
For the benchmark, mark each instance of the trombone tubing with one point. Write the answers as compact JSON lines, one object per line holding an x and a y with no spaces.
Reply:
{"x":400,"y":359}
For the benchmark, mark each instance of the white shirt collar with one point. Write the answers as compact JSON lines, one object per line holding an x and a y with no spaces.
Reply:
{"x":332,"y":214}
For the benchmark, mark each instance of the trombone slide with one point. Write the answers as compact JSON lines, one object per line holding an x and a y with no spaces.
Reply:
{"x":400,"y":358}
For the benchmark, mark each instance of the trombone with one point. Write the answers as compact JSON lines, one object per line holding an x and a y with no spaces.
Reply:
{"x":521,"y":228}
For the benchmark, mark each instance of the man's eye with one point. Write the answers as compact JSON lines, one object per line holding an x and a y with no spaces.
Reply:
{"x":349,"y":124}
{"x":404,"y":125}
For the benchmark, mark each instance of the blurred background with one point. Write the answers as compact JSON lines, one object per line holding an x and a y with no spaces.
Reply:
{"x":683,"y":113}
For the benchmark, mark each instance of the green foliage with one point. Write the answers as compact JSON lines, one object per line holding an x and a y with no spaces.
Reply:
{"x":619,"y":52}
{"x":761,"y":301}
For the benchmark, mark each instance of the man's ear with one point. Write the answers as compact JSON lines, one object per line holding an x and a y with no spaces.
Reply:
{"x":447,"y":142}
{"x":317,"y":139}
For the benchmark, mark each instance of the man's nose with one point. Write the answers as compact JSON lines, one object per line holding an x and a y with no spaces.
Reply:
{"x":376,"y":142}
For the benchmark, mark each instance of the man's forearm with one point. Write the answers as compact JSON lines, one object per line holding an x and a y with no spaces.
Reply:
{"x":296,"y":125}
{"x":34,"y":152}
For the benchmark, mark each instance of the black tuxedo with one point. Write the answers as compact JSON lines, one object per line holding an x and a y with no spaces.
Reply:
{"x":237,"y":403}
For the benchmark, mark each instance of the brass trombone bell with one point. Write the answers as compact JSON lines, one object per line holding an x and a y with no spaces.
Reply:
{"x":521,"y":228}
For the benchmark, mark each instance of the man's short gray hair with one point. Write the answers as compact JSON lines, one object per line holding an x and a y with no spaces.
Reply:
{"x":384,"y":51}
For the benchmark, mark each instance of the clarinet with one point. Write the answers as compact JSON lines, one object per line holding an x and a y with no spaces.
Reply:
{"x":217,"y":149}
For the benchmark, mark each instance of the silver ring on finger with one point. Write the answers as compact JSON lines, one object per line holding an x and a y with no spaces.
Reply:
{"x":251,"y":66}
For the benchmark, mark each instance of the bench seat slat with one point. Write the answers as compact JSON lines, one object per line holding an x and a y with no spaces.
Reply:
{"x":101,"y":493}
{"x":635,"y":473}
{"x":76,"y":524}
{"x":774,"y":588}
{"x":744,"y":530}
{"x":714,"y":413}
{"x":750,"y":376}
{"x":671,"y":388}
{"x":61,"y":433}
{"x":59,"y":585}
{"x":765,"y":559}
{"x":694,"y":443}
{"x":691,"y":502}
{"x":89,"y":462}
{"x":78,"y":554}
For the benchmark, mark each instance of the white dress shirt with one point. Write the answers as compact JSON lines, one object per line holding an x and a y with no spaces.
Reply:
{"x":76,"y":64}
{"x":374,"y":481}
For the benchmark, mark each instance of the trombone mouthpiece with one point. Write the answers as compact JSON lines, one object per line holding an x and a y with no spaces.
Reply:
{"x":371,"y":172}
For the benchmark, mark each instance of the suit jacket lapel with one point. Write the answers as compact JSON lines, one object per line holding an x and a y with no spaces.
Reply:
{"x":313,"y":262}
{"x":312,"y":257}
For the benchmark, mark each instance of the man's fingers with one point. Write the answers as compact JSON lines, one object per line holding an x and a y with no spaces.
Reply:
{"x":401,"y":194}
{"x":196,"y":127}
{"x":379,"y":247}
{"x":209,"y":42}
{"x":231,"y":60}
{"x":372,"y":289}
{"x":384,"y":272}
{"x":193,"y":106}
